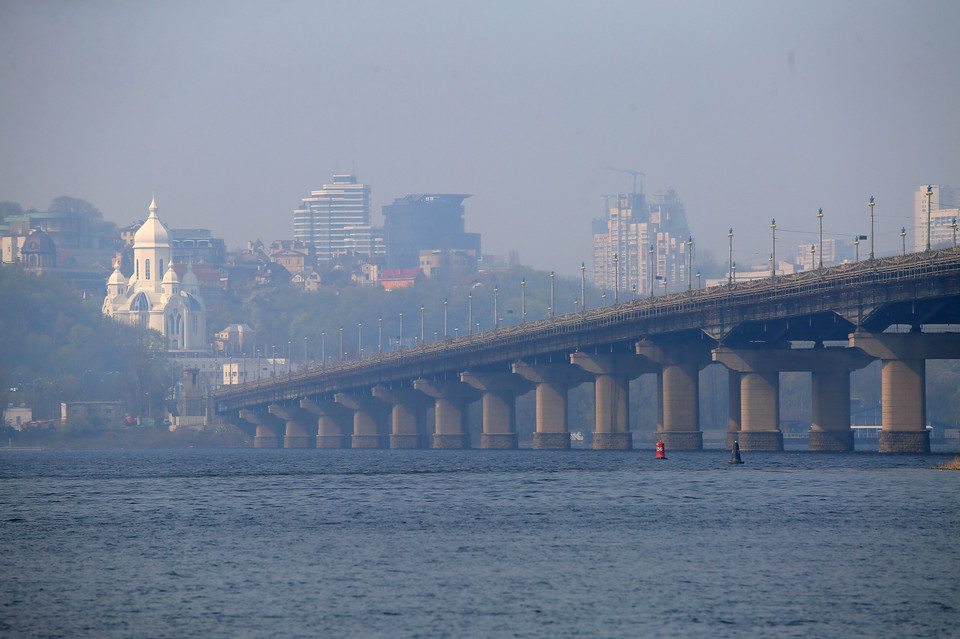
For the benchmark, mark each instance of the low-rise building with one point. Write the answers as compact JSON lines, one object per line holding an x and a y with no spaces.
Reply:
{"x":99,"y":415}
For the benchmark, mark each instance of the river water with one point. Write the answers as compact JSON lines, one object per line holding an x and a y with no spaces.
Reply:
{"x":384,"y":543}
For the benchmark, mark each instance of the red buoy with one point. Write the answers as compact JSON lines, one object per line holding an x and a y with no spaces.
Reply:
{"x":660,"y":453}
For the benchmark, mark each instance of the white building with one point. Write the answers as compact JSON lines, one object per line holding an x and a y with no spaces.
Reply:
{"x":943,"y":202}
{"x":335,"y":220}
{"x":155,"y":296}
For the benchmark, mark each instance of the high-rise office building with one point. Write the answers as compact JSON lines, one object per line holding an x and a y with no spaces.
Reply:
{"x":639,"y":247}
{"x":943,"y":201}
{"x":426,"y":222}
{"x":336,"y":220}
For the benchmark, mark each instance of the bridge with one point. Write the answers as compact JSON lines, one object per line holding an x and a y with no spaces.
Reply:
{"x":900,"y":310}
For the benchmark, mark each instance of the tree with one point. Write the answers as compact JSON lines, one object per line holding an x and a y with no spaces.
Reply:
{"x":66,"y":204}
{"x":9,"y":209}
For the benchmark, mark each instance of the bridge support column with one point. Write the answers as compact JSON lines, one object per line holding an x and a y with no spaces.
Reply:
{"x":297,"y":434}
{"x":551,"y":381}
{"x":499,"y":398}
{"x":407,"y":415}
{"x":759,"y":372}
{"x":830,"y":430}
{"x":268,"y":428}
{"x":733,"y":409}
{"x":612,"y":374}
{"x":903,"y":383}
{"x":679,"y":392}
{"x":759,"y":395}
{"x":450,"y":399}
{"x":330,"y":418}
{"x":366,"y":423}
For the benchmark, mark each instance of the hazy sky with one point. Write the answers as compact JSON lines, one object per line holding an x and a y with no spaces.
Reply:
{"x":233,"y":111}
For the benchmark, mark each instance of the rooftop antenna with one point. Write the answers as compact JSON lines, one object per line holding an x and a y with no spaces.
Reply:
{"x":634,"y":174}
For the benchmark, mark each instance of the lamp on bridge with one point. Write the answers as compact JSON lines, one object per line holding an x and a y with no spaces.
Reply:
{"x":552,"y":304}
{"x":523,"y":300}
{"x":929,"y":209}
{"x":871,"y":205}
{"x":730,"y":261}
{"x":903,"y":239}
{"x":820,"y":219}
{"x":773,"y":254}
{"x":583,"y":283}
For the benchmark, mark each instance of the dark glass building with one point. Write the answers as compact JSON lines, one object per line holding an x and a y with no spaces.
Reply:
{"x":426,"y":221}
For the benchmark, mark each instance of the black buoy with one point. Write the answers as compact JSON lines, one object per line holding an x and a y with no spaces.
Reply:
{"x":735,"y":458}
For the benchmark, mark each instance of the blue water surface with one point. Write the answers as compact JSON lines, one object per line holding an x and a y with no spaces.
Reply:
{"x":389,"y":543}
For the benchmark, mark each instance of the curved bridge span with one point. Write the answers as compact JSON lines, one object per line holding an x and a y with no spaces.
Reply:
{"x":901,"y":310}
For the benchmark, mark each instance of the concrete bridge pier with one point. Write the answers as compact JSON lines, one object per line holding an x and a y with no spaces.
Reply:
{"x":759,"y":395}
{"x":450,"y":400}
{"x":499,"y":399}
{"x":268,"y":428}
{"x":679,"y":386}
{"x":830,"y":378}
{"x":903,"y":383}
{"x":831,"y":430}
{"x":612,"y":374}
{"x":551,"y":381}
{"x":366,"y":422}
{"x":330,"y":417}
{"x":298,"y":434}
{"x":408,"y":415}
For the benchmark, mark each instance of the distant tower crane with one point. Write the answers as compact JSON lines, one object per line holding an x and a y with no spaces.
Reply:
{"x":634,"y":174}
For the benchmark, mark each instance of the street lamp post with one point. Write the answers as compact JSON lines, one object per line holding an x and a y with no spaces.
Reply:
{"x":583,"y":282}
{"x":323,"y":348}
{"x":289,"y":357}
{"x":954,"y":225}
{"x":444,"y":319}
{"x":903,"y":240}
{"x":274,"y":358}
{"x":689,"y":262}
{"x":871,"y":205}
{"x":773,"y":253}
{"x":552,"y":289}
{"x":380,"y":335}
{"x":401,"y":331}
{"x":470,"y":313}
{"x":523,"y":301}
{"x":650,"y":268}
{"x":813,"y":255}
{"x":733,"y":271}
{"x":820,"y":218}
{"x":421,"y":323}
{"x":856,"y":249}
{"x":305,"y":338}
{"x":496,"y":312}
{"x":616,"y":280}
{"x":730,"y":261}
{"x":929,"y":211}
{"x":359,"y":340}
{"x":699,"y":280}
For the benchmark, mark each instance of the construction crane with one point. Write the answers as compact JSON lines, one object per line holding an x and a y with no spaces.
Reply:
{"x":634,"y":174}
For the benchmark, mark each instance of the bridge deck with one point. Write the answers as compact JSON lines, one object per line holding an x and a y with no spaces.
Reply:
{"x":854,"y":293}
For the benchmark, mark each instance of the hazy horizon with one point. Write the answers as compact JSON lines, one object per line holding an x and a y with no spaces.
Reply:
{"x":233,"y":112}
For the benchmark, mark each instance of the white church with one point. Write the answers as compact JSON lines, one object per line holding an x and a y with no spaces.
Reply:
{"x":154,"y":296}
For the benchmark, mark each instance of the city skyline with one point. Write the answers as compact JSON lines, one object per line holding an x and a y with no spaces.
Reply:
{"x":752,"y":112}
